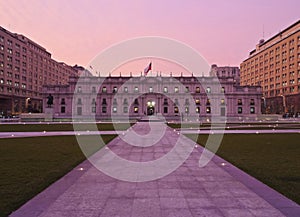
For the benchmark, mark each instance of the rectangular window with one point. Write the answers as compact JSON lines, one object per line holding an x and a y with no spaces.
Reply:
{"x":222,"y":102}
{"x":93,"y":109}
{"x":208,"y":110}
{"x":136,"y":109}
{"x":240,"y":102}
{"x":240,"y":110}
{"x":223,"y":111}
{"x":165,"y":110}
{"x":136,"y":89}
{"x":252,"y":102}
{"x":197,"y":89}
{"x":79,"y":90}
{"x":104,"y":90}
{"x":125,"y":89}
{"x":187,"y":89}
{"x":79,"y":111}
{"x":150,"y":89}
{"x":115,"y":89}
{"x":114,"y":109}
{"x":208,"y":90}
{"x":252,"y":110}
{"x":222,"y":89}
{"x":176,"y":90}
{"x":103,"y":109}
{"x":125,"y":109}
{"x":187,"y":110}
{"x":197,"y":109}
{"x":165,"y":89}
{"x":176,"y":109}
{"x":197,"y":101}
{"x":62,"y":109}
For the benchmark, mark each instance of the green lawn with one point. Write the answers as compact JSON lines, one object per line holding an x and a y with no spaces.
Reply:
{"x":271,"y":158}
{"x":235,"y":126}
{"x":61,"y":127}
{"x":29,"y":165}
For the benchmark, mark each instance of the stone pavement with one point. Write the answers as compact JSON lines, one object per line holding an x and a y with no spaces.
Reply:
{"x":218,"y":189}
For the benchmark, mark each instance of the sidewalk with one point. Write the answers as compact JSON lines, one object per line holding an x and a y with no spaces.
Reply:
{"x":218,"y":189}
{"x":108,"y":132}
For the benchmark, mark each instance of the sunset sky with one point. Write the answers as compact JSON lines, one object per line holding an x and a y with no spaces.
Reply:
{"x":76,"y":31}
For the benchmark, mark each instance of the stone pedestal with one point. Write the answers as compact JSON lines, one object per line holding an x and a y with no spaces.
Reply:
{"x":48,"y":114}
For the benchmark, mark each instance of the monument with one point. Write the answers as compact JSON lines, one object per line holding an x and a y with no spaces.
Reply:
{"x":49,"y":109}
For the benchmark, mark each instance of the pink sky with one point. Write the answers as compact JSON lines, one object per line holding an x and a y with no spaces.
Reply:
{"x":75,"y":31}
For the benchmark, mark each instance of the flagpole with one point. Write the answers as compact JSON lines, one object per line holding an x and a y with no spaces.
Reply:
{"x":151,"y":67}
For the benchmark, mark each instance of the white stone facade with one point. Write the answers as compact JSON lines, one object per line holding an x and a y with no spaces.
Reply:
{"x":172,"y":97}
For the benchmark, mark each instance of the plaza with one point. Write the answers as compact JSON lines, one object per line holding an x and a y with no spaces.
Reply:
{"x":218,"y":189}
{"x":149,"y":109}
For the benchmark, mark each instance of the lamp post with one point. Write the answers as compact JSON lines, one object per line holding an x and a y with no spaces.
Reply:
{"x":264,"y":104}
{"x":27,"y":104}
{"x":283,"y":103}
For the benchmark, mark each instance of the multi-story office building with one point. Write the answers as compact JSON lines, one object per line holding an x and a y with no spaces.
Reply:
{"x":275,"y":65}
{"x":225,"y":72}
{"x":25,"y":67}
{"x":190,"y":97}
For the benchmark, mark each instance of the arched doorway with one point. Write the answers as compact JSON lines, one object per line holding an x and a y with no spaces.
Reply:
{"x":150,"y":107}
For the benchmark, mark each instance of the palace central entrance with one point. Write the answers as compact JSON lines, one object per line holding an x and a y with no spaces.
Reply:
{"x":150,"y":107}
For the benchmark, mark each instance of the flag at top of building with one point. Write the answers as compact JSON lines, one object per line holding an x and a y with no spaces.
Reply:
{"x":147,"y":69}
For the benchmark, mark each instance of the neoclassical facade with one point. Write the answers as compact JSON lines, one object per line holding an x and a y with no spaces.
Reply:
{"x":185,"y":97}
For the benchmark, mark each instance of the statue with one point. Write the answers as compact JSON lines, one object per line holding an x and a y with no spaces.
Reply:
{"x":50,"y":100}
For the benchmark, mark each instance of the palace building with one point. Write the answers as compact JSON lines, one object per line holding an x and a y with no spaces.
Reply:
{"x":187,"y":97}
{"x":275,"y":65}
{"x":25,"y":67}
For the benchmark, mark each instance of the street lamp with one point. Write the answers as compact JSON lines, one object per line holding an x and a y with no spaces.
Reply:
{"x":26,"y":103}
{"x":264,"y":104}
{"x":283,"y":103}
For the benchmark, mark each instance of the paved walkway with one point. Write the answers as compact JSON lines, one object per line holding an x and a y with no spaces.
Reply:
{"x":218,"y":189}
{"x":108,"y":132}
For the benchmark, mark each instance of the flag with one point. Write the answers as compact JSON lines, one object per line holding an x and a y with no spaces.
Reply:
{"x":147,"y":69}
